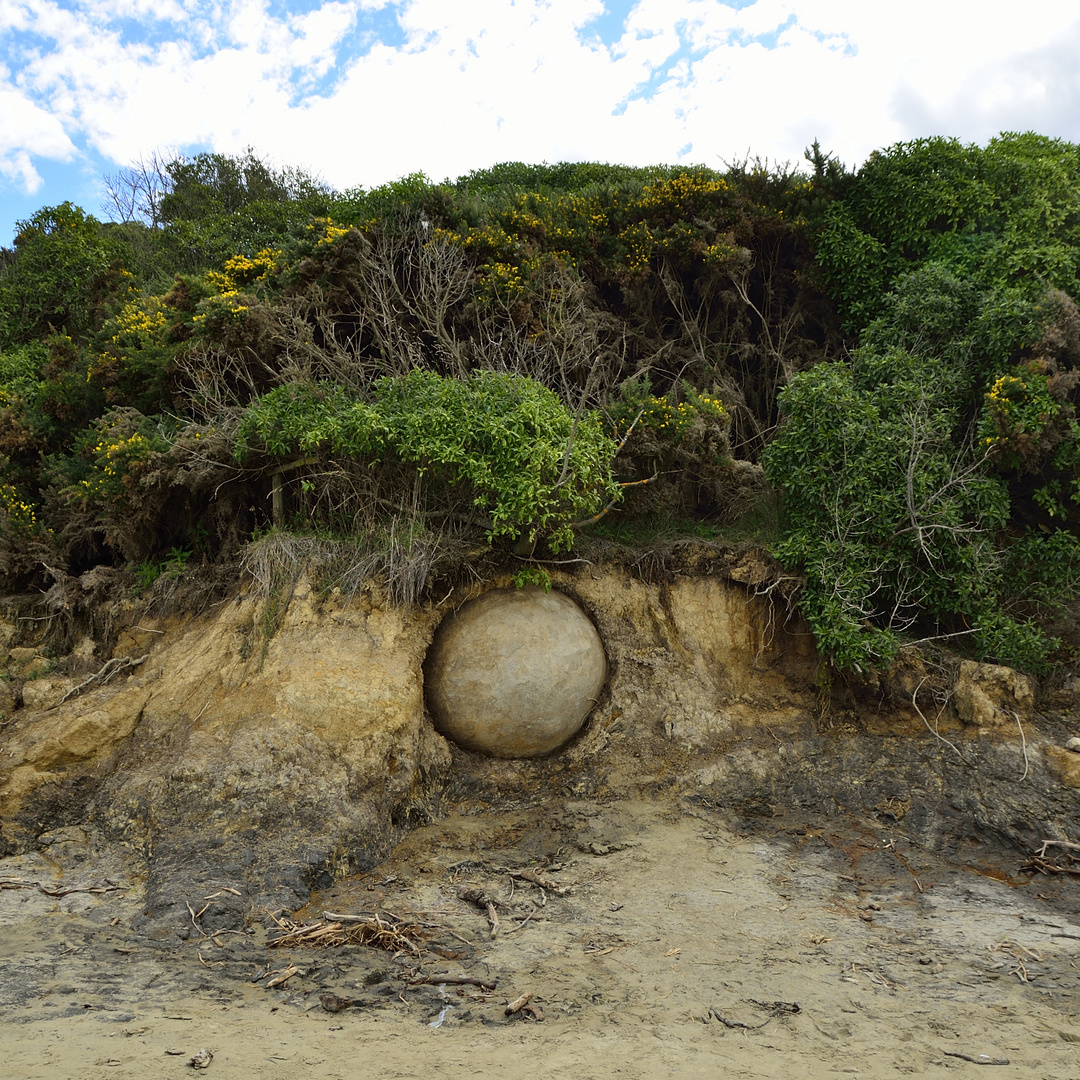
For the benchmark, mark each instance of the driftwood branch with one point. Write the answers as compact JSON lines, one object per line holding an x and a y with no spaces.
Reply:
{"x":452,"y":980}
{"x":545,"y":883}
{"x":982,"y":1059}
{"x":518,"y":1004}
{"x":475,"y":896}
{"x":1041,"y":853}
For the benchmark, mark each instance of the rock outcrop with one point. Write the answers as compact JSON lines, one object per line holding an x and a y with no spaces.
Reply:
{"x":988,"y":695}
{"x":251,"y":768}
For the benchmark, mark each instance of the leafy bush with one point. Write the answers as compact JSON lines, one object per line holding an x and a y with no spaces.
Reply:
{"x":59,"y":278}
{"x":899,"y":470}
{"x":526,"y":461}
{"x":1005,"y":213}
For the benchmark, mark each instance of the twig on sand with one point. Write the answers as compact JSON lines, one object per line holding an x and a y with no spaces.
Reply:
{"x":735,"y":1023}
{"x":525,"y":922}
{"x":518,"y":1004}
{"x":544,"y":883}
{"x":281,"y":977}
{"x":61,"y":890}
{"x":452,"y":980}
{"x":982,"y":1059}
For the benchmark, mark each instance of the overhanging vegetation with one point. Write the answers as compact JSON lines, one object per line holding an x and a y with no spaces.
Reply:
{"x":516,"y":357}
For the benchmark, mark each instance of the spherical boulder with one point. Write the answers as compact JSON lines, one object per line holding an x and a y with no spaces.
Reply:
{"x":514,"y":673}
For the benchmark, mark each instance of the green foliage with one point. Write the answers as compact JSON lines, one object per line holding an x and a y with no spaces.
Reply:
{"x":529,"y":464}
{"x":532,"y":575}
{"x":896,"y":468}
{"x":562,"y":176}
{"x":218,"y":205}
{"x":1004,"y":214}
{"x":21,"y":366}
{"x":403,"y":369}
{"x":58,"y":277}
{"x":117,"y":452}
{"x":172,"y":566}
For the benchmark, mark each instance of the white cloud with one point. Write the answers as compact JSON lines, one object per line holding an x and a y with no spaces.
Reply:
{"x":27,"y":131}
{"x":495,"y":80}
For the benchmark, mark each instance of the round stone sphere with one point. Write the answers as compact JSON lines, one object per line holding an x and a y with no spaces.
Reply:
{"x":514,"y":673}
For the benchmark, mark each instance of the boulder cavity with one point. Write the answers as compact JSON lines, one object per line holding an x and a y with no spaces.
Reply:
{"x":514,"y":673}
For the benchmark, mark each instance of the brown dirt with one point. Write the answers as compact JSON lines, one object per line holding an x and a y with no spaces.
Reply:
{"x":841,"y":945}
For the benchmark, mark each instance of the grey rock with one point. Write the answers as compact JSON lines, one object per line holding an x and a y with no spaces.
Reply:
{"x":514,"y":673}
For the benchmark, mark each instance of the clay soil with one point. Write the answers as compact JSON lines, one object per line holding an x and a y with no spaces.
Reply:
{"x":687,"y":942}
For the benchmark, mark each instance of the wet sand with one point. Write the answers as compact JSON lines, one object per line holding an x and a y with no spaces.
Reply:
{"x":688,"y":942}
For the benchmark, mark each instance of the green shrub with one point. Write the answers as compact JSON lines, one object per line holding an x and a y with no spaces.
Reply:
{"x":900,"y":474}
{"x":527,"y":463}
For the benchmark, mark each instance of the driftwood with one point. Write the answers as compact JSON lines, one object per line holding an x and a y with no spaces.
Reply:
{"x":281,"y":977}
{"x":452,"y":980}
{"x":475,"y":896}
{"x":518,"y":1004}
{"x":982,"y":1059}
{"x":1061,"y":864}
{"x":1069,"y":844}
{"x":734,"y":1023}
{"x":377,"y":930}
{"x":19,"y":883}
{"x":542,"y":882}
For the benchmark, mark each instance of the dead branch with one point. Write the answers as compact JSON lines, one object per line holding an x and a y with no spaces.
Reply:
{"x":734,"y":1023}
{"x":475,"y":896}
{"x":21,"y":883}
{"x":109,"y":670}
{"x":1057,"y":843}
{"x":545,"y":883}
{"x":331,"y":932}
{"x":452,"y":980}
{"x":282,"y":976}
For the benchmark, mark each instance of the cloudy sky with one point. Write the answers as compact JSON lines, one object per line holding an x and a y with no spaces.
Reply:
{"x":360,"y":92}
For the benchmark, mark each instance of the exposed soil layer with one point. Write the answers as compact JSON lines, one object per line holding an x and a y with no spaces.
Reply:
{"x":688,"y":939}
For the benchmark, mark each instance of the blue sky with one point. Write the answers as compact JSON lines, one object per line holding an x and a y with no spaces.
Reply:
{"x":360,"y":92}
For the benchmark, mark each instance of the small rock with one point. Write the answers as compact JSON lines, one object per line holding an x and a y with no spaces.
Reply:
{"x":1064,"y":765}
{"x":201,"y":1059}
{"x":334,"y":1004}
{"x":38,"y":666}
{"x":1073,"y":744}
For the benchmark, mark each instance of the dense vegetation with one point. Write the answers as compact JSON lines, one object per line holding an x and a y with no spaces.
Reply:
{"x":248,"y":362}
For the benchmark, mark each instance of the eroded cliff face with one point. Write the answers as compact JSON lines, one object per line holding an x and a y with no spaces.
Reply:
{"x":257,"y":768}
